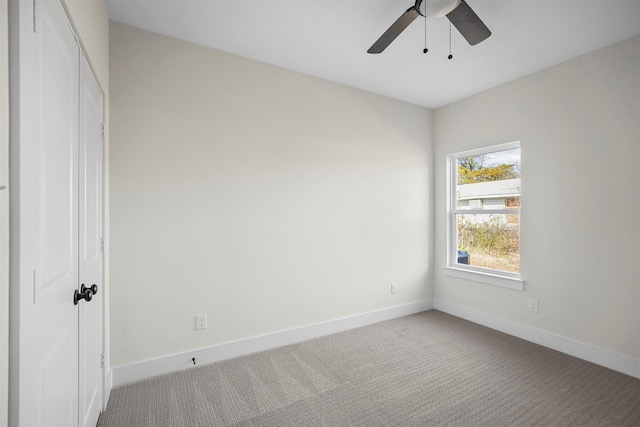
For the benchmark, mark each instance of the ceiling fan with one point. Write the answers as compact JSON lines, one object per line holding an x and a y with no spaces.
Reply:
{"x":458,"y":11}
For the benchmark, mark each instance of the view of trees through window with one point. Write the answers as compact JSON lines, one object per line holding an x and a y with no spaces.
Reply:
{"x":487,"y":210}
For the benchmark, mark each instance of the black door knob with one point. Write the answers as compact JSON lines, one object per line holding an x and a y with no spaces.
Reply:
{"x":85,"y":294}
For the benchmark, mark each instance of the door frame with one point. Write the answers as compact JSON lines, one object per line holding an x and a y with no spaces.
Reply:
{"x":4,"y":214}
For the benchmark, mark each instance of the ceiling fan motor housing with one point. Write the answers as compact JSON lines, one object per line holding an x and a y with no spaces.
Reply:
{"x":435,"y":8}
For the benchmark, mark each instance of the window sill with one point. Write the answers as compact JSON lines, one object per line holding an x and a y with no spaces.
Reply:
{"x":483,"y":277}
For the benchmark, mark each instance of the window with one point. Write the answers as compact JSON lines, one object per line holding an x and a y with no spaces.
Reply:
{"x":484,"y":215}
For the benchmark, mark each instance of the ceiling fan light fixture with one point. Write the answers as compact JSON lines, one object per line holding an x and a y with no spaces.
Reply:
{"x":458,"y":12}
{"x":435,"y":8}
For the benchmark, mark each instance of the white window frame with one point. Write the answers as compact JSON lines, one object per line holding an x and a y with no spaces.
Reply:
{"x":478,"y":274}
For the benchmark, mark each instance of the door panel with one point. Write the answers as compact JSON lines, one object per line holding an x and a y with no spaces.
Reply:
{"x":90,"y":251}
{"x":57,"y":142}
{"x":58,"y":409}
{"x":48,"y":222}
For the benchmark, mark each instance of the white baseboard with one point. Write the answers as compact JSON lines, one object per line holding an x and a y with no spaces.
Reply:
{"x":617,"y":362}
{"x":150,"y":368}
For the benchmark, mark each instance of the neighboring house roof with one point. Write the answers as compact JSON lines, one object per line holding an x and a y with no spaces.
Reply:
{"x":490,"y":190}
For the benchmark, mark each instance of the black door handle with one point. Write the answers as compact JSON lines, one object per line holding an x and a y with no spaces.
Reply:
{"x":85,"y":293}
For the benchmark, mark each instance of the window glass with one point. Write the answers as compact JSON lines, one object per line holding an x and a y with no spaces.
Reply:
{"x":489,"y":241}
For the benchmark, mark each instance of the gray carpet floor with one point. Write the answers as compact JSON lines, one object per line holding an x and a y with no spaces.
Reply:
{"x":426,"y":369}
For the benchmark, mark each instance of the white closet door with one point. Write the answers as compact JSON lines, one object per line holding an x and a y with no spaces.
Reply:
{"x":47,"y":224}
{"x":90,"y":250}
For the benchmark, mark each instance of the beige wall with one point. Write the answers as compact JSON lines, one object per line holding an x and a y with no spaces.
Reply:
{"x":578,"y":124}
{"x":265,"y":198}
{"x":270,"y":200}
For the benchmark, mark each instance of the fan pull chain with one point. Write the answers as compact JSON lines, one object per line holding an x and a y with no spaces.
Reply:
{"x":450,"y":55}
{"x":425,"y":50}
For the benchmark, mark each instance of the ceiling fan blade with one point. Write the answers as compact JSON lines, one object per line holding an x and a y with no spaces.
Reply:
{"x":394,"y":30}
{"x":467,"y":22}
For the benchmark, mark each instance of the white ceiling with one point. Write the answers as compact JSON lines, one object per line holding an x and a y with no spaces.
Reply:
{"x":329,"y":39}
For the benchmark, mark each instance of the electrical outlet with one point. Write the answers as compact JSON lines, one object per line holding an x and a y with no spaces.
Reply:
{"x":394,"y":288}
{"x":533,"y":305}
{"x":201,"y":321}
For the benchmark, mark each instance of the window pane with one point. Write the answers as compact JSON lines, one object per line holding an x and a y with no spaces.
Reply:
{"x":489,"y":181}
{"x":489,"y":241}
